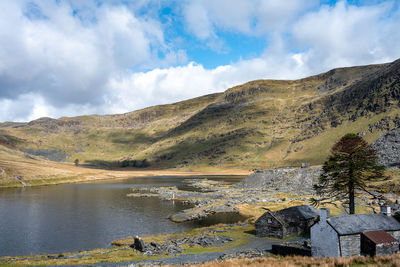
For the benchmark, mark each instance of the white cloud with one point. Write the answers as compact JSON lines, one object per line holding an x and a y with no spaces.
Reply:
{"x":259,"y":17}
{"x":197,"y":20}
{"x":47,"y":51}
{"x":30,"y":106}
{"x":345,"y":35}
{"x":162,"y":86}
{"x":54,"y":63}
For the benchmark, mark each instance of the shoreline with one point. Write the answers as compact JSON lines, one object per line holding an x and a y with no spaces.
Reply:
{"x":237,"y":238}
{"x":115,"y":174}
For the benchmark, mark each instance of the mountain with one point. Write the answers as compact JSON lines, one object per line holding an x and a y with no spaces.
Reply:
{"x":260,"y":124}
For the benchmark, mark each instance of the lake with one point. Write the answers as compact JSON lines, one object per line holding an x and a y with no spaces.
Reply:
{"x":74,"y":217}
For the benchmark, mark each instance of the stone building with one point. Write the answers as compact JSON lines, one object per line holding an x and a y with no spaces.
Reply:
{"x":340,"y":236}
{"x":287,"y":222}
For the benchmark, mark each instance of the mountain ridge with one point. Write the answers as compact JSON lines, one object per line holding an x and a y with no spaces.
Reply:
{"x":259,"y":124}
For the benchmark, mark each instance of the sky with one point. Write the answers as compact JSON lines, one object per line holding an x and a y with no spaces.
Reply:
{"x":78,"y":57}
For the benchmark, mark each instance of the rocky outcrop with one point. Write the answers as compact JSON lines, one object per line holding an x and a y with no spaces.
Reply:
{"x":288,"y":180}
{"x":53,"y":125}
{"x":50,"y":154}
{"x":387,"y":148}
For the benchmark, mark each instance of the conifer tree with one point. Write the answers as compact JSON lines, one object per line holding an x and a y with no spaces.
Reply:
{"x":351,"y":165}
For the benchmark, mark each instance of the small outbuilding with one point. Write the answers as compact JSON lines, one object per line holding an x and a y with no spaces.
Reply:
{"x":378,"y":243}
{"x":287,"y":222}
{"x":355,"y":235}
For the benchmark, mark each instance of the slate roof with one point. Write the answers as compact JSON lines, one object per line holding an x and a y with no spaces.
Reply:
{"x":358,"y":223}
{"x":294,"y":214}
{"x":379,"y":237}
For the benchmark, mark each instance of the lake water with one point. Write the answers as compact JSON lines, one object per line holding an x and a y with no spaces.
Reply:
{"x":73,"y":217}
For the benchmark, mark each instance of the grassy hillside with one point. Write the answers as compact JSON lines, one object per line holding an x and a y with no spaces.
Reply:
{"x":260,"y":124}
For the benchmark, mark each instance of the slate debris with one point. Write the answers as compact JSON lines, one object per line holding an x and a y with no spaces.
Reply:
{"x":50,"y":154}
{"x":154,"y":248}
{"x":387,"y":148}
{"x":242,"y":254}
{"x":289,"y":180}
{"x":205,"y":241}
{"x":173,"y":246}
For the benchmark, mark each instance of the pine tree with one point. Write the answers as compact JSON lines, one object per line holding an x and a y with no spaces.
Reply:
{"x":351,"y":165}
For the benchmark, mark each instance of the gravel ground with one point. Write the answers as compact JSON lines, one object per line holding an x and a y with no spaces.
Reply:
{"x":256,"y":243}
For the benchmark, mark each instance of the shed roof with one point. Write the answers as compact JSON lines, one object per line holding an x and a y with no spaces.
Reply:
{"x":359,"y":223}
{"x":291,"y":215}
{"x":294,"y":214}
{"x":379,"y":237}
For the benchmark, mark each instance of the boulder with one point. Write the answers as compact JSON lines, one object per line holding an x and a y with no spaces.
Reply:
{"x":139,"y":244}
{"x":305,"y":165}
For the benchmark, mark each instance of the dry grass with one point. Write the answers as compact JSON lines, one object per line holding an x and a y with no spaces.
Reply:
{"x":294,"y":261}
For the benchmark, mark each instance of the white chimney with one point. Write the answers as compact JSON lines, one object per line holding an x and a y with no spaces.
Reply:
{"x":385,"y":210}
{"x":324,"y":214}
